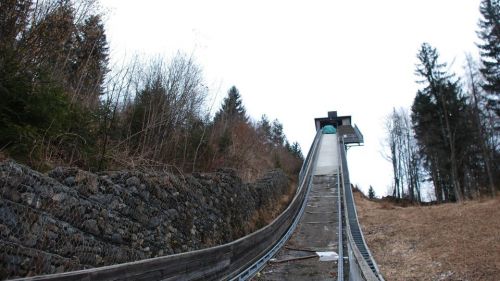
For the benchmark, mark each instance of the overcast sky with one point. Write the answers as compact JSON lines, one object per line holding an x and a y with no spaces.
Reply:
{"x":297,"y":60}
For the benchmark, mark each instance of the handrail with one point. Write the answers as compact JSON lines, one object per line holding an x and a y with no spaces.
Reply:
{"x":358,"y":134}
{"x":362,"y":265}
{"x":308,"y":159}
{"x":222,"y":262}
{"x":340,"y":264}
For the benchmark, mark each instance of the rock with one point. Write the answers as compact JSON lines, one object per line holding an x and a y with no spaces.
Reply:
{"x":173,"y":213}
{"x":60,"y":269}
{"x":31,"y":199}
{"x":69,"y":181}
{"x":117,"y":238}
{"x":98,"y":259}
{"x":8,"y":217}
{"x":30,"y":240}
{"x":52,"y":235}
{"x":13,"y":195}
{"x":145,"y":195}
{"x":154,"y":222}
{"x":87,"y":182}
{"x":133,"y":181}
{"x":58,"y":197}
{"x":160,"y":193}
{"x":91,"y":226}
{"x":172,"y":229}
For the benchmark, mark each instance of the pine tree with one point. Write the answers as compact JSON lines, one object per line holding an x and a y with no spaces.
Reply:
{"x":14,"y":15}
{"x":438,"y":117}
{"x":483,"y":131}
{"x":232,"y":108}
{"x":277,"y":135}
{"x":489,"y":33}
{"x":297,"y":151}
{"x":264,"y":129}
{"x":371,"y":192}
{"x":231,"y":112}
{"x":52,"y":41}
{"x":90,"y":66}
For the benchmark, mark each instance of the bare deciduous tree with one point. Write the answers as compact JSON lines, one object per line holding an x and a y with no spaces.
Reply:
{"x":403,"y":155}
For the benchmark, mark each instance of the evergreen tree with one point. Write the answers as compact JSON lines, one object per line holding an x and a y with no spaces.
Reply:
{"x":231,"y":112}
{"x":277,"y":135}
{"x":53,"y":42}
{"x":37,"y":47}
{"x":483,"y":131}
{"x":90,"y":66}
{"x":371,"y":192}
{"x":232,"y":108}
{"x":438,"y":115}
{"x":14,"y":15}
{"x":297,"y":151}
{"x":489,"y":33}
{"x":225,"y":141}
{"x":264,"y":129}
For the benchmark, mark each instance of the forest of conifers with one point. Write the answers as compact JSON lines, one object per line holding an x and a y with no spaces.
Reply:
{"x":63,"y":104}
{"x":451,"y":136}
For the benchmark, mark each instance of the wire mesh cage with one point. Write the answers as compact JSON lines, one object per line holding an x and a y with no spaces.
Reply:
{"x":69,"y":219}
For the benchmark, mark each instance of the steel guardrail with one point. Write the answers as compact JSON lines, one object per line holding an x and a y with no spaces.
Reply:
{"x":340,"y":264}
{"x":222,"y":262}
{"x":362,"y":265}
{"x":358,"y":134}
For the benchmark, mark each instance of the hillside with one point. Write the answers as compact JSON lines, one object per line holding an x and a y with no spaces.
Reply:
{"x":439,"y":242}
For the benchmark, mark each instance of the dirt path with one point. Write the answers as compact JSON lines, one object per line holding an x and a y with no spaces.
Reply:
{"x":441,"y":242}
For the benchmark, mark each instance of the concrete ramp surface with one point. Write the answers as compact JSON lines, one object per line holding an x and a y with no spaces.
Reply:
{"x":327,"y":163}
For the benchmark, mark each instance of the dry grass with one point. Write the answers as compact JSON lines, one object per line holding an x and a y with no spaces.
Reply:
{"x":440,"y":242}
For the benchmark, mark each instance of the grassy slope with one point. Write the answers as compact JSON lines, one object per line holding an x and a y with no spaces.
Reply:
{"x":441,"y":242}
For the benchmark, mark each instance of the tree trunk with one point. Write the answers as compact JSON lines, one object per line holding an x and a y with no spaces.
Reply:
{"x":482,"y":135}
{"x":449,"y":135}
